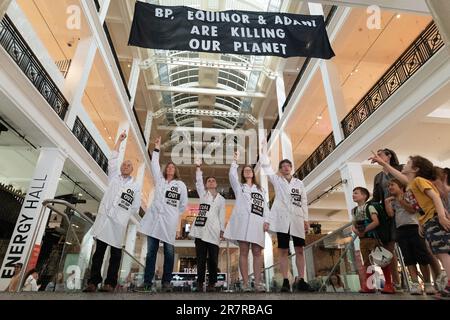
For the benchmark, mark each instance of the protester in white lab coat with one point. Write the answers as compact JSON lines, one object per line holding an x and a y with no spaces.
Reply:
{"x":120,"y":201}
{"x":208,"y":228}
{"x":249,"y":221}
{"x":289,"y":218}
{"x":162,"y":218}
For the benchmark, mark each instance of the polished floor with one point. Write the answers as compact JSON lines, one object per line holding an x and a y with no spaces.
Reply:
{"x":209,"y":296}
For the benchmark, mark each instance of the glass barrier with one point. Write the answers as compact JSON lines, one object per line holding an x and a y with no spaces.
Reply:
{"x":131,"y":274}
{"x":65,"y":261}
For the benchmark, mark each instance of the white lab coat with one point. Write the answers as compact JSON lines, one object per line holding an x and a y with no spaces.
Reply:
{"x":211,"y":218}
{"x":170,"y":201}
{"x":290,"y":207}
{"x":249,"y":214}
{"x":121,"y":200}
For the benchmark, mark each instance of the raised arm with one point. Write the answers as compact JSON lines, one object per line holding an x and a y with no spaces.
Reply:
{"x":155,"y":167}
{"x":113,"y":165}
{"x":183,"y":199}
{"x":397,"y":174}
{"x":266,"y":165}
{"x":234,"y":178}
{"x":199,"y":184}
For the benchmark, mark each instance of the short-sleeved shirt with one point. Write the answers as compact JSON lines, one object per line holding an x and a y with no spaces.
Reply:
{"x":361,"y":220}
{"x":402,"y":216}
{"x":418,"y":187}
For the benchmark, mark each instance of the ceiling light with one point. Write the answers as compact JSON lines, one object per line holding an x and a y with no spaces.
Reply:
{"x":356,"y":70}
{"x":317,"y":123}
{"x":398,"y":16}
{"x":319,"y":118}
{"x":80,"y":194}
{"x":351,"y":73}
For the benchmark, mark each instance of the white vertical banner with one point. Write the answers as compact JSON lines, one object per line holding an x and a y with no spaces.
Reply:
{"x":25,"y":242}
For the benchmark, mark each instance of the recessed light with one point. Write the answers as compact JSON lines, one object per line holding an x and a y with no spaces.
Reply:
{"x":319,"y":117}
{"x":80,"y":194}
{"x":399,"y":16}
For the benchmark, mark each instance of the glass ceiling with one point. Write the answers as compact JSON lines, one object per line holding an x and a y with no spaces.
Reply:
{"x":232,"y":72}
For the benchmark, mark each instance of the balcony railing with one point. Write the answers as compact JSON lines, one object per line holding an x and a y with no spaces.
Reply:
{"x":426,"y":45}
{"x":26,"y":60}
{"x":88,"y":142}
{"x":421,"y":50}
{"x":323,"y":151}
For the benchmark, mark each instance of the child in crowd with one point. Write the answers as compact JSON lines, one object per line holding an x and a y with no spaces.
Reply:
{"x":413,"y":247}
{"x":365,"y":221}
{"x":418,"y":174}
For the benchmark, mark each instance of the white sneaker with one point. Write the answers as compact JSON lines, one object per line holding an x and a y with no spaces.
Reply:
{"x":429,"y":289}
{"x":416,"y":289}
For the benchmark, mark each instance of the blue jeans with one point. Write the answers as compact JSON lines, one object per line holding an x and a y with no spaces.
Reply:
{"x":150,"y":262}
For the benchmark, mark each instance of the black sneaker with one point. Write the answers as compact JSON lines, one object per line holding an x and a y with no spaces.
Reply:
{"x":302,"y":286}
{"x":286,"y":286}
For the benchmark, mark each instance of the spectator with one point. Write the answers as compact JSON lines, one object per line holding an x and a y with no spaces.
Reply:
{"x":14,"y":283}
{"x":418,"y":174}
{"x":57,"y":284}
{"x":380,"y":193}
{"x":335,"y":284}
{"x":365,"y":221}
{"x":413,"y":247}
{"x":30,"y":284}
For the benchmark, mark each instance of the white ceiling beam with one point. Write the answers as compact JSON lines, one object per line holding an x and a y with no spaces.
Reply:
{"x":207,"y":91}
{"x":416,"y":6}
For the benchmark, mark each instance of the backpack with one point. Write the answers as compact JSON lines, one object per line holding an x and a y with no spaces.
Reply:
{"x":384,"y":230}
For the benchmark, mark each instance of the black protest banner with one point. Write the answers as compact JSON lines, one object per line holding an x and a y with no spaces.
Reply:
{"x":236,"y":32}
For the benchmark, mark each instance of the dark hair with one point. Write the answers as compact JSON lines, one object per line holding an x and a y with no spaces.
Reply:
{"x":364,"y":191}
{"x":340,"y":283}
{"x":425,"y":166}
{"x":447,"y":172}
{"x":243,"y":180}
{"x":177,"y":173}
{"x":394,"y":159}
{"x":289,"y":162}
{"x":29,"y":273}
{"x":211,"y":177}
{"x":397,"y":182}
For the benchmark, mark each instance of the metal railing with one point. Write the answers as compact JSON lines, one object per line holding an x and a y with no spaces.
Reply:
{"x":322,"y":152}
{"x":88,"y":142}
{"x":425,"y":46}
{"x":26,"y":60}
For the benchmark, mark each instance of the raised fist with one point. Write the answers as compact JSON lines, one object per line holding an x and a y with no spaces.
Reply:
{"x":158,"y":143}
